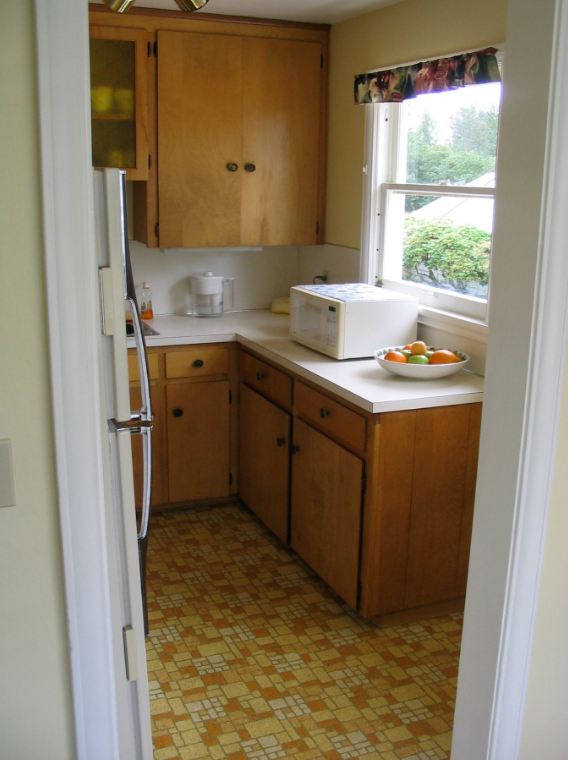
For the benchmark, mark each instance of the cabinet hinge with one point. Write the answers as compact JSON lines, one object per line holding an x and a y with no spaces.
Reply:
{"x":321,"y":61}
{"x":149,"y":161}
{"x":157,"y":230}
{"x":317,"y":228}
{"x":156,"y":48}
{"x":230,"y":478}
{"x":149,"y":48}
{"x":230,"y":396}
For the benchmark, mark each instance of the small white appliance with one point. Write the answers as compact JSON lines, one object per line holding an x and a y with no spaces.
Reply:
{"x":211,"y":294}
{"x":351,"y":320}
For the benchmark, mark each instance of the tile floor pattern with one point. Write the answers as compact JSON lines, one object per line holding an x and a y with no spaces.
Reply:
{"x":251,"y":656}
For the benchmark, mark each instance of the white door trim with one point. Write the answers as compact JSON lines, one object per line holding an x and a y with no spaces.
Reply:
{"x":72,"y":310}
{"x":102,"y":712}
{"x":525,"y":372}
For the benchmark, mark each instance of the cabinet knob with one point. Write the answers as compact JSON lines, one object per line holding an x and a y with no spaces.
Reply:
{"x":280,"y":442}
{"x":232,"y":166}
{"x":177,"y":412}
{"x":261,"y":375}
{"x":295,"y":448}
{"x":250,"y":168}
{"x":198,"y":363}
{"x":324,"y":412}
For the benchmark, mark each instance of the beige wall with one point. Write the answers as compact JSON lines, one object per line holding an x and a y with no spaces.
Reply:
{"x":35,"y":705}
{"x":400,"y":33}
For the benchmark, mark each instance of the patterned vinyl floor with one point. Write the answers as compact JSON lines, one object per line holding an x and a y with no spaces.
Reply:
{"x":250,"y":655}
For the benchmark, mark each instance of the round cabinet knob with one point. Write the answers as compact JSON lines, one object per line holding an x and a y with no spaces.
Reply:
{"x":250,"y":168}
{"x":261,"y":375}
{"x":232,"y":167}
{"x":295,"y":448}
{"x":177,"y":412}
{"x":198,"y":363}
{"x":324,"y":413}
{"x":280,"y":442}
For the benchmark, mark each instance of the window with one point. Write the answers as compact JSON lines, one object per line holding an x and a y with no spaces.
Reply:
{"x":430,"y":188}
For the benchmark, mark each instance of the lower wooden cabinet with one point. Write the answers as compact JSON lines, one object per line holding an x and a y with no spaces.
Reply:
{"x":264,"y":445}
{"x":198,"y":440}
{"x":193,"y":423}
{"x":326,"y":509}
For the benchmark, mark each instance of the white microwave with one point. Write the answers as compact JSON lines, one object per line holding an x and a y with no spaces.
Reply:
{"x":351,"y":320}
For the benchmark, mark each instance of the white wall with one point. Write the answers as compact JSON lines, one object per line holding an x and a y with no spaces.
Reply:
{"x":35,"y":705}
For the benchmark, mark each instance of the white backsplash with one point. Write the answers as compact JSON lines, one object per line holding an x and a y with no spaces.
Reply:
{"x":261,"y":275}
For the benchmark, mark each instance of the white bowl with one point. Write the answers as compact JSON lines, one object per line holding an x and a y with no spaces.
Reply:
{"x":420,"y":371}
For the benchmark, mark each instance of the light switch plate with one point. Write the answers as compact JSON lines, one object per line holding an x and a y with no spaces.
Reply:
{"x":7,"y":491}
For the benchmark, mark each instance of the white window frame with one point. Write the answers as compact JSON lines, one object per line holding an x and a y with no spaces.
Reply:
{"x":385,"y":156}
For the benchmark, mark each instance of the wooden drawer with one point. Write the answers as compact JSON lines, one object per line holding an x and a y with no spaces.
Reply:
{"x":331,"y":417}
{"x":153,"y":366}
{"x":267,"y":380}
{"x":197,"y":362}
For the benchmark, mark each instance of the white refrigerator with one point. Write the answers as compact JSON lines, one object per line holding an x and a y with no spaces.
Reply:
{"x":119,"y":423}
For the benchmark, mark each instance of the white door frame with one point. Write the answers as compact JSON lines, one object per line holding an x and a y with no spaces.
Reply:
{"x":105,"y":726}
{"x":491,"y":732}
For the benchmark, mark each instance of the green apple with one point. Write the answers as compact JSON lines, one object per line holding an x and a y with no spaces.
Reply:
{"x":418,"y":359}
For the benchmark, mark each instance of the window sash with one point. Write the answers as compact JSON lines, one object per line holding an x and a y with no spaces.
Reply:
{"x":383,"y":157}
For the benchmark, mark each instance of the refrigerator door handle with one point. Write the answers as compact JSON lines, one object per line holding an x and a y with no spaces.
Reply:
{"x":142,"y":419}
{"x":145,"y":412}
{"x":146,"y":433}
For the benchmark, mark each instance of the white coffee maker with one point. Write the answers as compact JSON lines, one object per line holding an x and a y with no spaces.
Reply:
{"x":211,"y":294}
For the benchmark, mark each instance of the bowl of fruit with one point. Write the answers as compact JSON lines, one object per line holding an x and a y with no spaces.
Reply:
{"x":421,"y":362}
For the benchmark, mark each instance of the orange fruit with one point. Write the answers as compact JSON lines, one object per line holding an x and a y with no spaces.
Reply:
{"x":395,"y":356}
{"x":443,"y":356}
{"x":418,"y":347}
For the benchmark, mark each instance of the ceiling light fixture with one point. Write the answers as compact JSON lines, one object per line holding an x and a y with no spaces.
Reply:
{"x":121,"y":6}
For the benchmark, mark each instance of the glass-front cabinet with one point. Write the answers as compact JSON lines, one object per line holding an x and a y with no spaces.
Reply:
{"x":119,"y":99}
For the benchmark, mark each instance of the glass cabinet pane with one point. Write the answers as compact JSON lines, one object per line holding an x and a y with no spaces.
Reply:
{"x":119,"y":99}
{"x":113,"y":103}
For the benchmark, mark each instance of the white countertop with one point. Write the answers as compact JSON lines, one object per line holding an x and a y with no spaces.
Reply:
{"x":361,"y":381}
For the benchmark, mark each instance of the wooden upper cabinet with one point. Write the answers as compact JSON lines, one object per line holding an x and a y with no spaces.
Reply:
{"x":119,"y":91}
{"x":199,"y":84}
{"x":281,"y":123}
{"x":238,"y":140}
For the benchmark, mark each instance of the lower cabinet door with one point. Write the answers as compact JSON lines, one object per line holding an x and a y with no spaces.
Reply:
{"x":264,"y":445}
{"x":158,"y":496}
{"x":198,"y":440}
{"x":326,"y":509}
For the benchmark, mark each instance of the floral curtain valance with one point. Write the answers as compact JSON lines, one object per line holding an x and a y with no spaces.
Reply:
{"x":403,"y":82}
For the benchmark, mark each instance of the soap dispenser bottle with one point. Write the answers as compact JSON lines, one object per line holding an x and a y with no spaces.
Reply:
{"x":146,"y":310}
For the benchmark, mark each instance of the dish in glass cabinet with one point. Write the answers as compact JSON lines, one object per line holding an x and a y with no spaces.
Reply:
{"x":420,"y":371}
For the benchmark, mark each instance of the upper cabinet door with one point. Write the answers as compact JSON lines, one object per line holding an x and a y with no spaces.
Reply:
{"x":119,"y":91}
{"x":238,"y":140}
{"x":199,"y":139}
{"x":281,"y":141}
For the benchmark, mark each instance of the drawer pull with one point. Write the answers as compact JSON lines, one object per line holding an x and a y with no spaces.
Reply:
{"x":261,"y":376}
{"x":324,"y":412}
{"x":280,"y":442}
{"x":232,"y":166}
{"x":177,"y":412}
{"x":250,"y":167}
{"x":295,"y":448}
{"x":198,"y":363}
